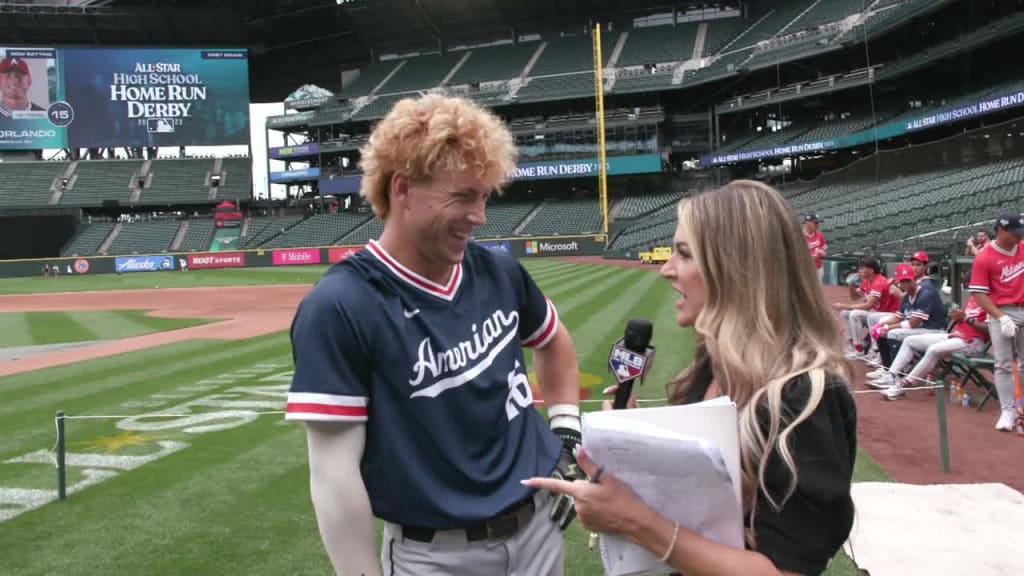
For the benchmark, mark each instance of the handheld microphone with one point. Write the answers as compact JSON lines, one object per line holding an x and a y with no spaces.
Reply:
{"x":630,"y":358}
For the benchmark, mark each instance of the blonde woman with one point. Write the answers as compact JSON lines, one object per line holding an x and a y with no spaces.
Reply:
{"x":767,"y":339}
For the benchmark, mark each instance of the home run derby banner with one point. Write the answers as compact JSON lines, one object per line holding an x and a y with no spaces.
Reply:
{"x":113,"y":97}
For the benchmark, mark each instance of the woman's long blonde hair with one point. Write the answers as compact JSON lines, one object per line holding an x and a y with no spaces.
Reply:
{"x":765,"y":320}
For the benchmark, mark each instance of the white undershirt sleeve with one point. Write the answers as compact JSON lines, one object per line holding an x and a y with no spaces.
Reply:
{"x":339,"y":496}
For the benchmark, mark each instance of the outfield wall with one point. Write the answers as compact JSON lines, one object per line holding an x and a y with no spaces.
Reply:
{"x":538,"y":247}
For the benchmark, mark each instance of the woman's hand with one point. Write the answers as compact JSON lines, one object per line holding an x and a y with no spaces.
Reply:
{"x":607,"y":506}
{"x":610,"y":391}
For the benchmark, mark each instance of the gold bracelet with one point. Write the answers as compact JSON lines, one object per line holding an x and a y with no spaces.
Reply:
{"x":672,"y":546}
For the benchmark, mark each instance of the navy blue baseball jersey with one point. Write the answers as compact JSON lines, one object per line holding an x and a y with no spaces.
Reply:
{"x":927,"y":306}
{"x":437,"y":374}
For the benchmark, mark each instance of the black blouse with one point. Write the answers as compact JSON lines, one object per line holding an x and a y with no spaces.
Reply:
{"x":816,"y":520}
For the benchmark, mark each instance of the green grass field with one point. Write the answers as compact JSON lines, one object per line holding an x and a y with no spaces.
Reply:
{"x":207,"y":494}
{"x":34,"y":328}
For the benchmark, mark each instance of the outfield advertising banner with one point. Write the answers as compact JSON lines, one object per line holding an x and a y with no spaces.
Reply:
{"x":497,"y":245}
{"x":551,"y":247}
{"x":299,"y":151}
{"x":124,"y":265}
{"x":296,"y":256}
{"x":290,"y":120}
{"x":616,"y":165}
{"x":217,"y":260}
{"x":113,"y":97}
{"x":567,"y":246}
{"x":514,"y":247}
{"x":297,"y":175}
{"x":1009,"y":98}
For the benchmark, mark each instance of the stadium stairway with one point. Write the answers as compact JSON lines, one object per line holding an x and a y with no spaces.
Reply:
{"x":179,"y":236}
{"x":109,"y":239}
{"x":88,"y":240}
{"x":518,"y":230}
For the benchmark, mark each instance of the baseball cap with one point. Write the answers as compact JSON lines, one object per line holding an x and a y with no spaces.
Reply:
{"x":904,"y":272}
{"x":812,"y":217}
{"x":920,"y":256}
{"x":13,"y":65}
{"x":1010,"y":221}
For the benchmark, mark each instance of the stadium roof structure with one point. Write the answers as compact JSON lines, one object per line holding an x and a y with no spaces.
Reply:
{"x":294,"y":42}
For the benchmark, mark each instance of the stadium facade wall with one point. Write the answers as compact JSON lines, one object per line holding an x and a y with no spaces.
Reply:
{"x":522,"y":247}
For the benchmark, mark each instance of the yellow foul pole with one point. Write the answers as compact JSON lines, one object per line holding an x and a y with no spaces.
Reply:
{"x":599,"y":95}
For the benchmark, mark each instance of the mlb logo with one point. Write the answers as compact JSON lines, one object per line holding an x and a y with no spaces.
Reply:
{"x":626,"y":364}
{"x":532,"y":247}
{"x":159,"y":126}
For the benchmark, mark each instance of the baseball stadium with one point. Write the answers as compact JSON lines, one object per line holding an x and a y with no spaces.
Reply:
{"x":157,"y":235}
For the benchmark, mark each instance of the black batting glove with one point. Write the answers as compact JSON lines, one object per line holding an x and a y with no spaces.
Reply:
{"x":564,"y":510}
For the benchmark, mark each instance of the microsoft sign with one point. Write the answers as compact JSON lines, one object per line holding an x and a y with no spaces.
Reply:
{"x":535,"y":247}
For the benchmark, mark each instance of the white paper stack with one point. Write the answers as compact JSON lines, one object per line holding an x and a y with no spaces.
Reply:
{"x":682,"y":461}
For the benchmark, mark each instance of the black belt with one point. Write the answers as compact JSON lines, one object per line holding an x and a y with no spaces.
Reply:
{"x":501,"y":526}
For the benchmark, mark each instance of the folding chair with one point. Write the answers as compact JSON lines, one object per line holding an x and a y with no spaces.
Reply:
{"x":969,"y":368}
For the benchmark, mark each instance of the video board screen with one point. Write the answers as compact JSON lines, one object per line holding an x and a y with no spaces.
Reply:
{"x":113,"y":97}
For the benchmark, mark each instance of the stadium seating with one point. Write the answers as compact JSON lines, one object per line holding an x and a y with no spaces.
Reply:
{"x":572,"y":54}
{"x":27,"y":184}
{"x":720,"y":33}
{"x":824,"y":12}
{"x":863,"y":213}
{"x":143,"y":237}
{"x":198,"y":234}
{"x":724,"y":64}
{"x":421,"y":73}
{"x":178,"y":181}
{"x":642,"y":80}
{"x":494,"y":63}
{"x":557,"y":87}
{"x":88,"y":239}
{"x":638,"y":205}
{"x":791,"y":50}
{"x":94,"y":181}
{"x":317,"y":230}
{"x":885,"y":13}
{"x":503,"y":218}
{"x":235,"y":179}
{"x":657,"y":228}
{"x":378,"y":107}
{"x":562,"y":217}
{"x":773,"y":22}
{"x":368,"y":79}
{"x":657,"y":44}
{"x":260,"y":230}
{"x":370,"y":230}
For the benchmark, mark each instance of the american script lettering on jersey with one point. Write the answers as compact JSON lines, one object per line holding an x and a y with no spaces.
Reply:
{"x":500,"y":327}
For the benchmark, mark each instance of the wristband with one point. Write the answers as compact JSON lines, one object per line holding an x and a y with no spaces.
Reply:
{"x":672,"y":546}
{"x":564,"y":420}
{"x":905,"y":324}
{"x":564,"y":416}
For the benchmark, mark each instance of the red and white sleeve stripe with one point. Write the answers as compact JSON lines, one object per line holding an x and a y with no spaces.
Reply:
{"x":325,"y":407}
{"x":541,"y":336}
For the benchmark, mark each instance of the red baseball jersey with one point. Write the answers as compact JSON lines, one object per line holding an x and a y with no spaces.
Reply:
{"x":965,"y":330}
{"x":879,"y":288}
{"x":815,"y":241}
{"x":999,"y":273}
